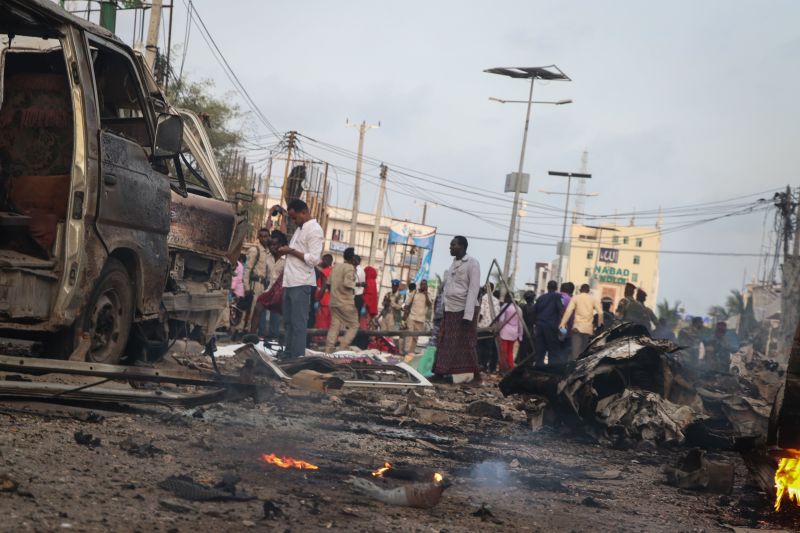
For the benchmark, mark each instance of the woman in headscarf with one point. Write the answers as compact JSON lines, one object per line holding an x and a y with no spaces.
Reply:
{"x":371,"y":294}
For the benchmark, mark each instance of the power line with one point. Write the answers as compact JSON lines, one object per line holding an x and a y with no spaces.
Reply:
{"x":230,"y":74}
{"x":638,"y":250}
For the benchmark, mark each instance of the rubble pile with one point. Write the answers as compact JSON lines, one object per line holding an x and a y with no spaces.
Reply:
{"x":628,"y":387}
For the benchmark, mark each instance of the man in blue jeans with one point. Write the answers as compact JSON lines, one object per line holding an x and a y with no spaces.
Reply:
{"x":302,"y":254}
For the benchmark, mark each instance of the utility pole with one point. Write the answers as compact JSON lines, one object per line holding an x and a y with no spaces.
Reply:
{"x":362,"y":130}
{"x":289,"y":147}
{"x":108,"y":14}
{"x":424,"y":212}
{"x":790,"y":275}
{"x":265,"y":185}
{"x":151,"y":46}
{"x":376,"y":228}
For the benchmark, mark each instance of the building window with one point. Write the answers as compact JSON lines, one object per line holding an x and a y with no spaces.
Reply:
{"x":635,"y":277}
{"x":636,"y":260}
{"x":590,"y":254}
{"x":615,"y":239}
{"x":639,"y":243}
{"x":625,"y":240}
{"x":336,"y":235}
{"x":587,"y":272}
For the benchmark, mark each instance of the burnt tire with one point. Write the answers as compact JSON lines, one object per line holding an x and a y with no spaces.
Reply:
{"x":108,"y":316}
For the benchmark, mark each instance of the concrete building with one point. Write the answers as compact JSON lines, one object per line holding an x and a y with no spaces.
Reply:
{"x":609,"y":256}
{"x":543,"y":272}
{"x":403,"y":247}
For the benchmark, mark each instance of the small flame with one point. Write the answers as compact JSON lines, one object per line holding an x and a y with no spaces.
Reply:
{"x":287,"y":462}
{"x":379,"y":472}
{"x":787,"y":480}
{"x":437,"y":477}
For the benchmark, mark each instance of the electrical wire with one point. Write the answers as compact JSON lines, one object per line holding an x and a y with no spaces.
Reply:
{"x":227,"y":69}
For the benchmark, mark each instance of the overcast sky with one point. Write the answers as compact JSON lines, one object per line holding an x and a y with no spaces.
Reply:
{"x":676,"y":102}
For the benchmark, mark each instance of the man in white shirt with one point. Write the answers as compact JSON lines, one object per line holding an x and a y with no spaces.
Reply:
{"x":302,"y":254}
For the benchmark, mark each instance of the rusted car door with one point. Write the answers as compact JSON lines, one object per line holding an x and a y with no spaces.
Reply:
{"x":134,"y":200}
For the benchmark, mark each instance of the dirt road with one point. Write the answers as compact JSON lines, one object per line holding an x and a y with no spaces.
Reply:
{"x":549,"y":480}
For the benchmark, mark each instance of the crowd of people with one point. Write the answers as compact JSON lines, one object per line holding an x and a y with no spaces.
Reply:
{"x":292,"y":283}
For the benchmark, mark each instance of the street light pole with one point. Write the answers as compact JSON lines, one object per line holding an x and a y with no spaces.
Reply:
{"x":513,"y":226}
{"x":562,"y":245}
{"x":561,"y":254}
{"x":551,"y":73}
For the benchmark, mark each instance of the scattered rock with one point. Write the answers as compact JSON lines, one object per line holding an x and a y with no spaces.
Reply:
{"x":174,"y":506}
{"x":7,"y":484}
{"x":485,"y":409}
{"x":140,"y":449}
{"x":186,"y":488}
{"x":248,"y":523}
{"x":202,"y":443}
{"x":603,"y":474}
{"x":430,"y":416}
{"x":591,"y":502}
{"x":87,"y":439}
{"x":271,"y":510}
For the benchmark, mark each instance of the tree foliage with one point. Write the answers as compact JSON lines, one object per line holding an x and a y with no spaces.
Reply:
{"x":219,"y":114}
{"x":734,"y":303}
{"x":718,"y":313}
{"x":671,"y":314}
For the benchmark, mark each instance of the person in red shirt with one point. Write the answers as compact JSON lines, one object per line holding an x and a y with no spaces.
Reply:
{"x":370,"y":295}
{"x":323,"y":320}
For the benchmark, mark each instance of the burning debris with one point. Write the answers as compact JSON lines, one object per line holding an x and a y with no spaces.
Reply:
{"x":418,"y":495}
{"x":287,"y":462}
{"x":787,"y":480}
{"x":382,"y":470}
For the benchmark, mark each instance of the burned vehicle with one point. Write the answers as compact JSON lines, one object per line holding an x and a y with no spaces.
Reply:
{"x":114,"y":228}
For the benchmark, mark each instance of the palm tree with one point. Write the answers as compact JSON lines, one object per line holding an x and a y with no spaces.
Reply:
{"x":718,"y":313}
{"x":734,"y":304}
{"x":671,"y":314}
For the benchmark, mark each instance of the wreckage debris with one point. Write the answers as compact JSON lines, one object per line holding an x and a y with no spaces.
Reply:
{"x":417,"y":495}
{"x":636,"y":389}
{"x":482,"y":408}
{"x":311,"y":380}
{"x":695,"y":471}
{"x":646,"y":416}
{"x":140,"y":449}
{"x":186,"y":488}
{"x":87,"y":439}
{"x":486,"y":515}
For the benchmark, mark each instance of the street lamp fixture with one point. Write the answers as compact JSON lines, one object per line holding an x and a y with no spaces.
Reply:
{"x":550,"y":73}
{"x":558,"y":102}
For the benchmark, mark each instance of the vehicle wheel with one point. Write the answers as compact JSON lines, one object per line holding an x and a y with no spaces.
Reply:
{"x":109,"y":314}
